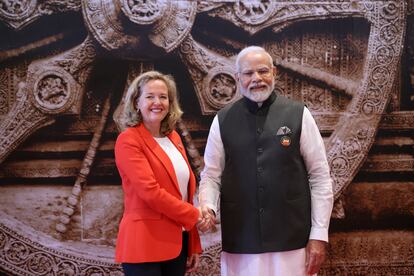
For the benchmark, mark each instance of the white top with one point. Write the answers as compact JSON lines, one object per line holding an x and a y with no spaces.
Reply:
{"x":313,"y":152}
{"x":180,"y":166}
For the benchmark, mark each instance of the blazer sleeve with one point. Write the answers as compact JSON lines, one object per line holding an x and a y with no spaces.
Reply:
{"x":133,"y":164}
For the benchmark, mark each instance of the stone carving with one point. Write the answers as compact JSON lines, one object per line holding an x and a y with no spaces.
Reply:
{"x":144,"y":12}
{"x":9,"y":54}
{"x":124,"y":27}
{"x":81,"y":180}
{"x":4,"y":105}
{"x":211,"y":73}
{"x":17,"y":7}
{"x":334,"y":82}
{"x":20,"y":123}
{"x":10,"y":79}
{"x":380,"y":247}
{"x":365,"y":109}
{"x":77,"y":62}
{"x":103,"y":20}
{"x":222,"y":88}
{"x":131,"y":29}
{"x":196,"y":160}
{"x":210,"y":261}
{"x":410,"y":51}
{"x":208,"y":5}
{"x":20,"y":13}
{"x":13,"y":11}
{"x":52,"y":91}
{"x":27,"y":253}
{"x":322,"y":58}
{"x":403,"y":165}
{"x":175,"y":26}
{"x":52,"y":87}
{"x":400,"y":121}
{"x":253,"y":12}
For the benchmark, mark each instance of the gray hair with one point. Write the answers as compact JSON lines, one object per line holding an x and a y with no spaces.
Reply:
{"x":251,"y":49}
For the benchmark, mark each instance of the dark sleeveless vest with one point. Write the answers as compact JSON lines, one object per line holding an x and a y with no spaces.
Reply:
{"x":265,"y":195}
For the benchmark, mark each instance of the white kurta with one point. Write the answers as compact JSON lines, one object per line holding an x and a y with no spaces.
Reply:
{"x":313,"y":152}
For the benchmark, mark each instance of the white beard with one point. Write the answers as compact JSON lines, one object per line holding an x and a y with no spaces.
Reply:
{"x":258,"y":97}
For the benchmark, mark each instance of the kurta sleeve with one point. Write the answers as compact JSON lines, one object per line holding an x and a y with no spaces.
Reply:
{"x":313,"y":151}
{"x":214,"y":157}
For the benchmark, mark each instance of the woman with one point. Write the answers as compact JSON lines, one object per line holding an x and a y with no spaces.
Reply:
{"x":157,"y":232}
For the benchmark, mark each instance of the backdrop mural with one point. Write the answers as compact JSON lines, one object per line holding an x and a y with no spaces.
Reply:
{"x":64,"y":69}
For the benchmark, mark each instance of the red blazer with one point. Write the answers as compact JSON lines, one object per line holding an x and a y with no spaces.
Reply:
{"x":154,"y":213}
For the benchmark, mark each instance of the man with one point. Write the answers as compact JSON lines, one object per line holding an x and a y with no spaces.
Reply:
{"x":265,"y":159}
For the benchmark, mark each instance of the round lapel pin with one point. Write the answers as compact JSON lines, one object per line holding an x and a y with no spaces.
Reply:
{"x":285,"y":141}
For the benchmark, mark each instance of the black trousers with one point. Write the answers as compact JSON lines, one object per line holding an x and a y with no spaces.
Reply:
{"x":174,"y":267}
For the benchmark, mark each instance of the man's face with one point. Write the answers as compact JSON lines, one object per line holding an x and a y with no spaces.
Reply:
{"x":256,"y":76}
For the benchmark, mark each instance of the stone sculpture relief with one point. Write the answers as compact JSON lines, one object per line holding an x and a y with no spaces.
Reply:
{"x":52,"y":87}
{"x":348,"y":97}
{"x":20,"y":13}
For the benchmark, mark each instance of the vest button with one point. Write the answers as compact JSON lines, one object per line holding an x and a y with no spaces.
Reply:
{"x":259,"y":169}
{"x":260,"y":150}
{"x":259,"y":130}
{"x":261,"y":210}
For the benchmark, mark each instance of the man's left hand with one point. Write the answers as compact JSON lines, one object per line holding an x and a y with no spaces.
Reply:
{"x":315,"y":255}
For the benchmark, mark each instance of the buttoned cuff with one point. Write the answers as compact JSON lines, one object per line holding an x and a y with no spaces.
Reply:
{"x":319,"y":234}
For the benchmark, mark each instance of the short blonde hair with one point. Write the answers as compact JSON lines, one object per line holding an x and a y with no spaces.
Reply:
{"x":132,"y":117}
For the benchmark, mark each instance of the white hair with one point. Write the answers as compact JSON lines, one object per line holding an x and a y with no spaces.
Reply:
{"x":251,"y":49}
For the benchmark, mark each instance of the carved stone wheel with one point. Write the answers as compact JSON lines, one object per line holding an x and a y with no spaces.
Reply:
{"x":25,"y":251}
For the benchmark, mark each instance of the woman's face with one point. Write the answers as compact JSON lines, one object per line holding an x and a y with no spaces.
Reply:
{"x":154,"y":103}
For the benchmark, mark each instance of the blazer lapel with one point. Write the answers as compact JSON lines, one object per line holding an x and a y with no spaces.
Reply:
{"x":159,"y":153}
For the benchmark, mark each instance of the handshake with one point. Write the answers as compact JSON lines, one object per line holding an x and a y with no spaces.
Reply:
{"x":206,"y":219}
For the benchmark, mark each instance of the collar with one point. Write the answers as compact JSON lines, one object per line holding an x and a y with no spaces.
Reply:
{"x":254,"y":107}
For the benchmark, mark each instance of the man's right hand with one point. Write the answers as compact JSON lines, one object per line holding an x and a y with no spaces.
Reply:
{"x":207,"y":219}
